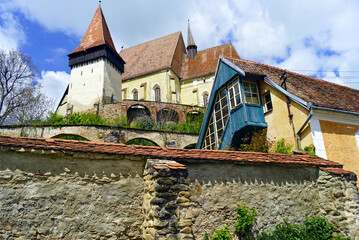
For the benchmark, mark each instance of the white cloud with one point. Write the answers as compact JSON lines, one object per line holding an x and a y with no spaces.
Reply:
{"x":265,"y":31}
{"x":11,"y":32}
{"x":54,"y":84}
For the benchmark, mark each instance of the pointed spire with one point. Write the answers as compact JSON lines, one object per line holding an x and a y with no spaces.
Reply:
{"x":97,"y":33}
{"x":191,"y":45}
{"x":190,"y":39}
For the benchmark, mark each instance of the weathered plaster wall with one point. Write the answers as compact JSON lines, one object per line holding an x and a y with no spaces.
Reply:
{"x":341,"y":144}
{"x":62,"y":197}
{"x":279,"y":124}
{"x":192,"y":89}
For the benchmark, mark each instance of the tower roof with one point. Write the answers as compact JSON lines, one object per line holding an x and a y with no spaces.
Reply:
{"x":190,"y":39}
{"x":97,"y":34}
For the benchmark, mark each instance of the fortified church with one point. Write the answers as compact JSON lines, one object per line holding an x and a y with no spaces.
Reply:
{"x":162,"y":70}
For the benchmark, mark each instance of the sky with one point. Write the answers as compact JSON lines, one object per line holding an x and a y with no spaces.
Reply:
{"x":316,"y":38}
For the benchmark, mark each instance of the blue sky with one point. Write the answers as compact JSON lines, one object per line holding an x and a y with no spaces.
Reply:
{"x":316,"y":38}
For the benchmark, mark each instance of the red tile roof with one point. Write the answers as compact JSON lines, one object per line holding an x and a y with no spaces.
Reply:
{"x":153,"y":56}
{"x":337,"y":171}
{"x":97,"y":34}
{"x":170,"y":52}
{"x":206,"y":61}
{"x":176,"y":154}
{"x":320,"y":92}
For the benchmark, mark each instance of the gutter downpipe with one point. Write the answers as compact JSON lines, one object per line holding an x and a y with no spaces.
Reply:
{"x":310,"y":106}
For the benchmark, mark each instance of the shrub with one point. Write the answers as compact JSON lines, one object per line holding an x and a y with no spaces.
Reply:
{"x":245,"y":220}
{"x":313,"y":228}
{"x":122,"y":121}
{"x":54,"y":119}
{"x":258,"y":142}
{"x":318,"y":228}
{"x":283,"y":231}
{"x":282,"y":147}
{"x":310,"y":149}
{"x":86,"y":119}
{"x":222,"y":234}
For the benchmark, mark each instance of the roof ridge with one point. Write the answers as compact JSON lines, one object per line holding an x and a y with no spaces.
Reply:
{"x":294,"y":73}
{"x":178,"y":32}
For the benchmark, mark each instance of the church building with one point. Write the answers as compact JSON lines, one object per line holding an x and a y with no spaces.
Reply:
{"x":161,"y":70}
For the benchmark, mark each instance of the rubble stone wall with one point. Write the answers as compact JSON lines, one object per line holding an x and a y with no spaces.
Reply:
{"x":54,"y":195}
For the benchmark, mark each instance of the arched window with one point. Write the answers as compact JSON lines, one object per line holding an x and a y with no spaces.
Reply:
{"x":134,"y":94}
{"x":205,"y":100}
{"x":157,"y":94}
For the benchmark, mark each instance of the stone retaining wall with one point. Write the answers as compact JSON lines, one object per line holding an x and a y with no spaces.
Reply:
{"x":68,"y":195}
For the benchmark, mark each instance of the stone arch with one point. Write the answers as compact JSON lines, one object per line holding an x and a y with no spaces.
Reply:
{"x":167,"y":115}
{"x":138,"y":111}
{"x":134,"y":94}
{"x":193,"y":116}
{"x":191,"y":146}
{"x":141,"y":141}
{"x":70,"y":136}
{"x":156,"y":93}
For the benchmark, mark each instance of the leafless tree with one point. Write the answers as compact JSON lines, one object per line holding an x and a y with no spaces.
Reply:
{"x":21,"y":98}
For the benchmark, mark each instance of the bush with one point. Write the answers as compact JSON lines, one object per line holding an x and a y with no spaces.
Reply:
{"x":258,"y":142}
{"x":282,"y":147}
{"x":318,"y":228}
{"x":222,"y":234}
{"x":283,"y":231}
{"x":310,"y":149}
{"x":245,"y":220}
{"x":312,"y":229}
{"x":54,"y":119}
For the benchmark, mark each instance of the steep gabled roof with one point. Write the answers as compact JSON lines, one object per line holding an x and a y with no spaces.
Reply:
{"x":320,"y":92}
{"x":155,"y":55}
{"x":97,"y":34}
{"x":206,"y":61}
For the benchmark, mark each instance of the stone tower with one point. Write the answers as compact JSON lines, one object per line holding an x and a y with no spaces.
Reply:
{"x":96,"y":68}
{"x":191,"y":45}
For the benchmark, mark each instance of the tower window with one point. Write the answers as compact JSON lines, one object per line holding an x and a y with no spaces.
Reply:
{"x":135,"y":94}
{"x":205,"y":100}
{"x":157,"y":94}
{"x":92,"y":70}
{"x":81,"y":73}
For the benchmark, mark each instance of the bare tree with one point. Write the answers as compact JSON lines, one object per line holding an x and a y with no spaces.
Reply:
{"x":21,"y":99}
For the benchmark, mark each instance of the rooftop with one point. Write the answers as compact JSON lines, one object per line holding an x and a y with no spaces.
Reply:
{"x":97,"y":34}
{"x":320,"y":92}
{"x":176,"y":154}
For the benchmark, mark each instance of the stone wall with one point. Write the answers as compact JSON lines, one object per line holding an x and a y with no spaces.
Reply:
{"x":62,"y":197}
{"x":48,"y":194}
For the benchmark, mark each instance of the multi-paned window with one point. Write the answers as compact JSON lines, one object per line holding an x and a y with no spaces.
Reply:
{"x":234,"y":93}
{"x":267,"y":102}
{"x":221,"y":112}
{"x":209,"y":140}
{"x":251,"y":92}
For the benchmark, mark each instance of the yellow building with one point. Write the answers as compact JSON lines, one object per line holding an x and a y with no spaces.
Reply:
{"x":303,"y":110}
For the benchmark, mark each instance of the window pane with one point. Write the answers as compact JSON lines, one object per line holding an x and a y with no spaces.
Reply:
{"x":238,"y":99}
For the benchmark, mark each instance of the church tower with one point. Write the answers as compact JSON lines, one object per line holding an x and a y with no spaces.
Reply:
{"x":96,"y":68}
{"x":191,"y":45}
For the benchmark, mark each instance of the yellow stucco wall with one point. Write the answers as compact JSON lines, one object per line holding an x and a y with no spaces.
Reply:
{"x":340,"y":144}
{"x":192,"y":90}
{"x":167,"y":80}
{"x":279,"y":124}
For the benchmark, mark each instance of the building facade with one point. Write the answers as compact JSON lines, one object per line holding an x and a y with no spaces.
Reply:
{"x":248,"y":96}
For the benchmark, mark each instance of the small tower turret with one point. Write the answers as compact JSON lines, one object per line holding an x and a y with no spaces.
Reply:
{"x":191,"y":45}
